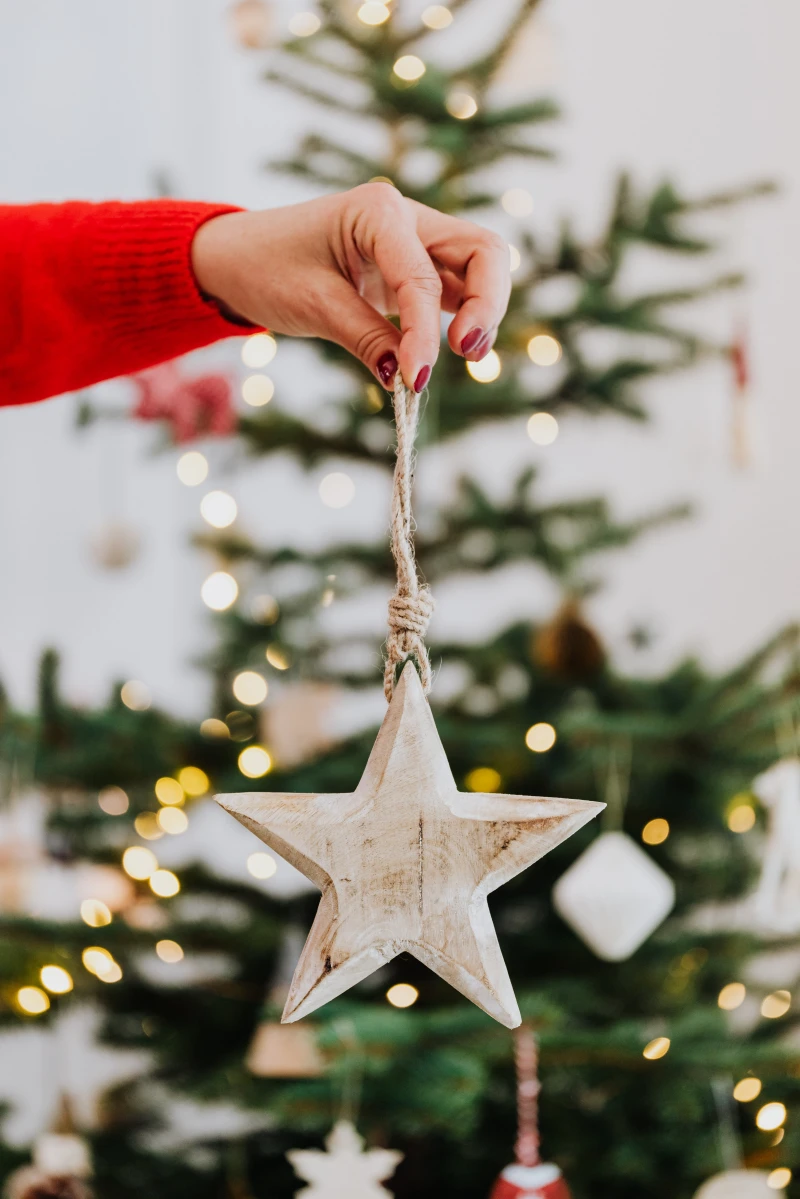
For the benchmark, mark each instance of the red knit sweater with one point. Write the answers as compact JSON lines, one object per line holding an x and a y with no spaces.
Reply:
{"x":91,"y":291}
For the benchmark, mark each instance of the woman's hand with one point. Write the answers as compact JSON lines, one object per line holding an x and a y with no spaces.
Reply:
{"x":332,"y":267}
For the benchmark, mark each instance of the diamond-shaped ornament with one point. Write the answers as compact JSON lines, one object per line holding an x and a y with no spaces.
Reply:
{"x":614,"y":896}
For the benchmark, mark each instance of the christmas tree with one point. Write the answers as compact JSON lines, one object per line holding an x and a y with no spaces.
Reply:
{"x":640,"y":1051}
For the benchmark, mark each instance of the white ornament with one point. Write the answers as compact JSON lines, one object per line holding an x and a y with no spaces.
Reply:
{"x":63,"y":1155}
{"x":738,"y":1184}
{"x":776,"y":902}
{"x":614,"y":896}
{"x":345,"y":1171}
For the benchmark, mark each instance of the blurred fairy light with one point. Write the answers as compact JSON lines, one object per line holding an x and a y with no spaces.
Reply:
{"x":113,"y":801}
{"x":483,"y":778}
{"x":771,"y":1116}
{"x":169,"y":951}
{"x":372,"y":12}
{"x":265,"y":609}
{"x":95,"y":913}
{"x":259,"y":350}
{"x":192,"y":468}
{"x":515,"y":257}
{"x":112,"y":975}
{"x":487,"y":370}
{"x":139,"y":863}
{"x":747,"y":1090}
{"x":32,"y":1000}
{"x":328,"y":596}
{"x":213,"y":727}
{"x":99,"y":961}
{"x":278,"y":657}
{"x":254,"y":761}
{"x":56,"y":979}
{"x":656,"y":1049}
{"x":542,"y":428}
{"x":135,"y":695}
{"x":194,"y":781}
{"x":250,"y":688}
{"x":732,"y":996}
{"x":218,"y":509}
{"x":436,"y":16}
{"x":173,"y":821}
{"x":304,"y":24}
{"x":402,"y":995}
{"x":219,"y":591}
{"x":164,"y":883}
{"x":776,"y":1005}
{"x":540,"y":737}
{"x":261,"y":865}
{"x":461,"y":104}
{"x":517,"y":201}
{"x":544,"y":349}
{"x":741,"y":818}
{"x":409,"y":68}
{"x":336,"y":490}
{"x":257,"y":390}
{"x":779,"y":1179}
{"x":147,"y":826}
{"x":169,"y":791}
{"x":655,"y":831}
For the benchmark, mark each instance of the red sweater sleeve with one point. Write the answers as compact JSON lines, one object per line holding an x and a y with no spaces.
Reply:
{"x":91,"y":291}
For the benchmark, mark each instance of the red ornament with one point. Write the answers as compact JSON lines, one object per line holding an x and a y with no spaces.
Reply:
{"x":195,"y":406}
{"x":531,"y":1182}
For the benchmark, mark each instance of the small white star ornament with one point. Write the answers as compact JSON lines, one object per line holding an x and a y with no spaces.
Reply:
{"x":739,"y":1184}
{"x":345,"y":1171}
{"x":405,"y":863}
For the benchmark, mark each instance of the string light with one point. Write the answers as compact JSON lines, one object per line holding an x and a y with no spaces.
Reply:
{"x":741,"y":818}
{"x":336,"y":490}
{"x":169,"y":791}
{"x":192,"y":468}
{"x":655,"y":832}
{"x":261,"y":865}
{"x":542,"y":428}
{"x":260,"y":349}
{"x":304,"y":24}
{"x":112,"y":975}
{"x":257,"y":390}
{"x":277,"y":657}
{"x":33,"y":1000}
{"x":540,"y":737}
{"x":487,"y":370}
{"x":211,"y":727}
{"x":95,"y":913}
{"x":219,"y":591}
{"x":218,"y":509}
{"x":146,"y":825}
{"x":483,"y":778}
{"x":194,"y":781}
{"x":517,"y":201}
{"x":169,"y":951}
{"x":139,"y":863}
{"x":250,"y":688}
{"x":515,"y":257}
{"x":544,"y":350}
{"x":135,"y":695}
{"x":409,"y":68}
{"x":56,"y":979}
{"x":164,"y":883}
{"x":776,"y":1005}
{"x":113,"y":801}
{"x":402,"y":995}
{"x":373,"y":13}
{"x":436,"y":16}
{"x":97,"y":960}
{"x":747,"y":1090}
{"x":656,"y":1049}
{"x":254,"y":761}
{"x":778,"y":1180}
{"x":732,"y":996}
{"x":461,"y":104}
{"x":172,"y":821}
{"x":770,"y":1117}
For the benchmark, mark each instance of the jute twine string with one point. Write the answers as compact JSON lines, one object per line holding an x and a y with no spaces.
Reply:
{"x":528,"y":1087}
{"x":411,"y":606}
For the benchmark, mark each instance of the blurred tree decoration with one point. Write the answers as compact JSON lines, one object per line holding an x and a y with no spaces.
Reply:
{"x":629,"y":1050}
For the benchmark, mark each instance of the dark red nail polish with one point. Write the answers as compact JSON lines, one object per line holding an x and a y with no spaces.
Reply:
{"x":471,"y":339}
{"x":421,"y":381}
{"x":483,"y":347}
{"x":387,"y":367}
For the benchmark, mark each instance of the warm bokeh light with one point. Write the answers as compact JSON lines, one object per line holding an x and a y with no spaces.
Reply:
{"x":95,"y":913}
{"x":192,"y":468}
{"x":113,"y":801}
{"x":483,"y":778}
{"x":732,"y":996}
{"x":257,"y":390}
{"x":277,"y":657}
{"x":250,"y":688}
{"x":99,"y":961}
{"x":164,"y":884}
{"x":544,"y":350}
{"x":303,"y":24}
{"x":776,"y":1005}
{"x":436,"y":16}
{"x":259,"y":350}
{"x":254,"y":761}
{"x":747,"y":1090}
{"x":169,"y":790}
{"x":778,"y":1180}
{"x":372,"y":12}
{"x":337,"y":489}
{"x":409,"y":68}
{"x":402,"y":995}
{"x":146,"y":825}
{"x":56,"y":979}
{"x":219,"y":591}
{"x":771,"y":1116}
{"x":169,"y":951}
{"x":194,"y":781}
{"x":487,"y":370}
{"x":461,"y":104}
{"x":173,"y":821}
{"x":515,"y":258}
{"x":542,"y":428}
{"x":265,"y":609}
{"x":655,"y":831}
{"x":32,"y":1000}
{"x":212,"y":727}
{"x":138,"y":862}
{"x":218,"y":509}
{"x":112,"y":975}
{"x":517,"y":201}
{"x":540,"y":737}
{"x":135,"y":695}
{"x":656,"y":1049}
{"x":261,"y":865}
{"x":741,"y":818}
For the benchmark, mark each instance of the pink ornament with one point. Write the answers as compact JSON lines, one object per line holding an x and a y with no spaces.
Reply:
{"x":531,"y":1182}
{"x":194,"y":406}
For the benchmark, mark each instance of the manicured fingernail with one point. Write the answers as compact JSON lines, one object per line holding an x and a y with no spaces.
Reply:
{"x":483,"y":347}
{"x":387,"y":367}
{"x":421,"y":381}
{"x":471,"y":339}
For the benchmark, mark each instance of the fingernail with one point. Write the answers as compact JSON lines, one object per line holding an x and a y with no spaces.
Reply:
{"x":471,"y":339}
{"x":483,"y":347}
{"x":387,"y":367}
{"x":422,"y":378}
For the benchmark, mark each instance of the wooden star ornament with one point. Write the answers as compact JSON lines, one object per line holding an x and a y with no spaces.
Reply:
{"x":405,"y":863}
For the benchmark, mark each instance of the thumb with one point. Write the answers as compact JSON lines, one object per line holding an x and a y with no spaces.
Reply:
{"x":359,"y":328}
